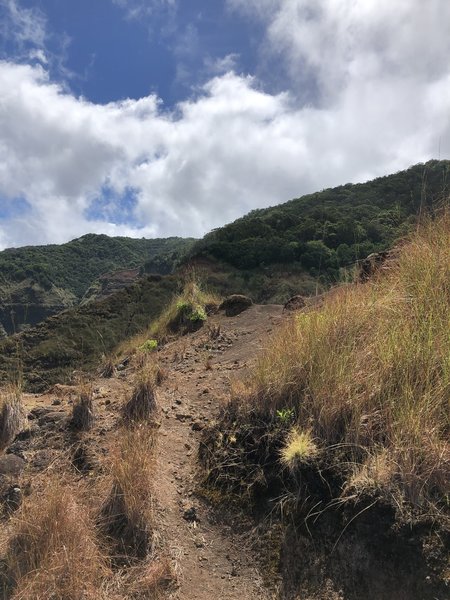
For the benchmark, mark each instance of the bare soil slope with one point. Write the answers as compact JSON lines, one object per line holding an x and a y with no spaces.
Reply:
{"x":211,"y":559}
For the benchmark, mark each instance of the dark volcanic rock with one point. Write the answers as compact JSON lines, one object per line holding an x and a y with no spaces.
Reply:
{"x":52,"y":417}
{"x":235,"y":304}
{"x":295,"y":303}
{"x":11,"y":465}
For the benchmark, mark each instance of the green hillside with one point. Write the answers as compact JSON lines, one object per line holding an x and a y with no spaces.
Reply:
{"x":39,"y":281}
{"x":78,"y":337}
{"x":73,"y":266}
{"x":320,"y":234}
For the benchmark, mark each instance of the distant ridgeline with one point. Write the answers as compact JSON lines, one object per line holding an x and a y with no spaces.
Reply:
{"x":323,"y":232}
{"x":39,"y":281}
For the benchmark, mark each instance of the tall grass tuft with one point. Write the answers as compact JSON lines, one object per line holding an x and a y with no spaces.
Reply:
{"x":142,"y":404}
{"x":12,"y":414}
{"x":127,"y":516}
{"x":187,"y":311}
{"x":83,"y":412}
{"x":370,"y":369}
{"x":53,"y":552}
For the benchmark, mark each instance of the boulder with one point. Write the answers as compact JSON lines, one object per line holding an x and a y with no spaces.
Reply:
{"x":295,"y":303}
{"x":11,"y":465}
{"x":370,"y":265}
{"x":235,"y":304}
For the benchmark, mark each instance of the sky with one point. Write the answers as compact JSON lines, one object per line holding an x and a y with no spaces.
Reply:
{"x":153,"y":118}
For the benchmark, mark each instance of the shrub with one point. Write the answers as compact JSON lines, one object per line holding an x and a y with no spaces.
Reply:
{"x":186,"y":312}
{"x":149,"y":346}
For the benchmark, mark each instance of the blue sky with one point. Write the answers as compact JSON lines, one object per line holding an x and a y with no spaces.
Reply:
{"x":116,"y":50}
{"x":171,"y":117}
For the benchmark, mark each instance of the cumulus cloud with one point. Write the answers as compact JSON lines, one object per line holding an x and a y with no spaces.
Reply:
{"x":381,"y":103}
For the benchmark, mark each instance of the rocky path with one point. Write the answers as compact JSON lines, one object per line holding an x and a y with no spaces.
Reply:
{"x":213,"y":560}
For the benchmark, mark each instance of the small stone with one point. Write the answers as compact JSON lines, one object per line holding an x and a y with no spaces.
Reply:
{"x":190,"y":515}
{"x":12,"y":498}
{"x":182,"y":416}
{"x":56,"y":402}
{"x":197,"y":426}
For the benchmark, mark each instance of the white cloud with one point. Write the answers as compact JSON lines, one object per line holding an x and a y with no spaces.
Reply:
{"x":382,"y":99}
{"x":22,"y":25}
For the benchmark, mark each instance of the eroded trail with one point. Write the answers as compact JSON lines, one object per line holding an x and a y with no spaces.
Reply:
{"x":212,"y":559}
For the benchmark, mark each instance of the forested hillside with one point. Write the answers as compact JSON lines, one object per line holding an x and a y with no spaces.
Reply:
{"x":323,"y":232}
{"x":73,"y":266}
{"x":39,"y":281}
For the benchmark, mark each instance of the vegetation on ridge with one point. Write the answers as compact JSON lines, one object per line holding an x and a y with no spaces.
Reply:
{"x":319,"y":234}
{"x":364,"y":381}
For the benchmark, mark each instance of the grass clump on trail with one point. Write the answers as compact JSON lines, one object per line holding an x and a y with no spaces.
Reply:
{"x":12,"y":414}
{"x":187,"y":311}
{"x":53,"y":552}
{"x":83,"y":416}
{"x":142,"y":404}
{"x":127,"y":516}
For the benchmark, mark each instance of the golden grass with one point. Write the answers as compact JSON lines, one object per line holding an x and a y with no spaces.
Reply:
{"x":12,"y":414}
{"x":142,"y":404}
{"x":53,"y":552}
{"x":371,"y":368}
{"x":298,"y":448}
{"x":187,"y":308}
{"x":128,"y":513}
{"x":83,"y":416}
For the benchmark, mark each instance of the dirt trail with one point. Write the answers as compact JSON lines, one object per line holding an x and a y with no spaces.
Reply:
{"x":213,"y":560}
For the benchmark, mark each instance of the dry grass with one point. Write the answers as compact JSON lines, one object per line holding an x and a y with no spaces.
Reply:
{"x":142,"y":404}
{"x":53,"y":553}
{"x":186,"y":311}
{"x":83,"y":411}
{"x":127,"y":516}
{"x":151,"y":581}
{"x":12,"y":414}
{"x":298,"y":448}
{"x":370,"y":369}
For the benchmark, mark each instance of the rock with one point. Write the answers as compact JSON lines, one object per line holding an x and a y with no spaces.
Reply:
{"x":52,"y":417}
{"x":235,"y":304}
{"x":295,"y":303}
{"x":190,"y":514}
{"x":370,"y":265}
{"x":11,"y":465}
{"x":197,"y":426}
{"x":26,"y":434}
{"x":56,"y":402}
{"x":39,"y":411}
{"x":12,"y":498}
{"x":182,"y":416}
